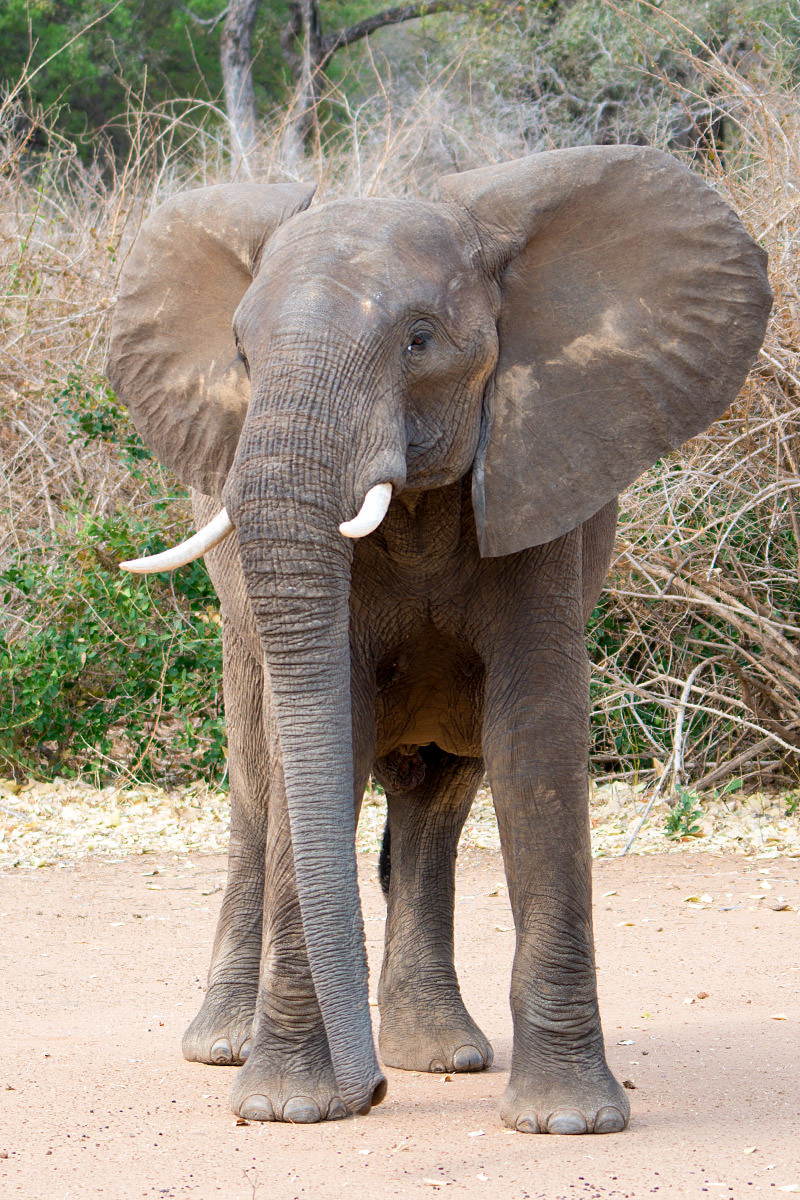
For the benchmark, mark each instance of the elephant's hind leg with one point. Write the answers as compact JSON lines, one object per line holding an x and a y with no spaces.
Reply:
{"x":220,"y":1033}
{"x":424,"y":1024}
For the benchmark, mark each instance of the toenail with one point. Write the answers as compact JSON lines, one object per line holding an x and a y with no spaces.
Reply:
{"x":257,"y":1108}
{"x":301,"y":1110}
{"x":245,"y":1050}
{"x":336,"y":1110}
{"x":567,"y":1120}
{"x":221,"y":1052}
{"x":527,"y":1125}
{"x":437,"y":1067}
{"x":609,"y":1120}
{"x":467,"y":1058}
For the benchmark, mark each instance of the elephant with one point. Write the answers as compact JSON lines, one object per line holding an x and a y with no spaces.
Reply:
{"x":477,"y":377}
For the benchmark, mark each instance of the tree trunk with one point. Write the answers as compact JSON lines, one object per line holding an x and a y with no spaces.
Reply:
{"x":302,"y":47}
{"x":308,"y":51}
{"x":236,"y":52}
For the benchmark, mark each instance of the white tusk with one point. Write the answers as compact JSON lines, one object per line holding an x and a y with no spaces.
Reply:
{"x":178,"y":556}
{"x":373,"y":510}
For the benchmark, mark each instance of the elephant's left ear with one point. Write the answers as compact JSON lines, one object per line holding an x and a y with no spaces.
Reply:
{"x":633,"y":305}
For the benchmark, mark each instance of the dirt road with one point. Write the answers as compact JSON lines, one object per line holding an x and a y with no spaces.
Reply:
{"x":103,"y":966}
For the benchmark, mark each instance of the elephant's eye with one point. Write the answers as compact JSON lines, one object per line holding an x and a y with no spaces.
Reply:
{"x":420,"y":339}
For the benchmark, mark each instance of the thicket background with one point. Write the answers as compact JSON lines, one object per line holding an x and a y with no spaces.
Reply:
{"x":105,"y":110}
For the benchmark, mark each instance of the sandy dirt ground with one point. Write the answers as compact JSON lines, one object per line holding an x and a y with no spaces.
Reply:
{"x":103,"y":966}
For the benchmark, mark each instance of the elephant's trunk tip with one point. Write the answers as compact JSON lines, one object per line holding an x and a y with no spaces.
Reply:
{"x":178,"y":556}
{"x":371,"y":513}
{"x":375,"y":1093}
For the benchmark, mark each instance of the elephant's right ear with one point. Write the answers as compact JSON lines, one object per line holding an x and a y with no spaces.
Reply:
{"x":172,"y":357}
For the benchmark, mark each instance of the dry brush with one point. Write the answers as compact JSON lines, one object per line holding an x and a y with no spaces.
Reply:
{"x":697,"y":671}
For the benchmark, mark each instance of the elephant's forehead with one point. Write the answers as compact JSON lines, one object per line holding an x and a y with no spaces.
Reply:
{"x":372,"y":246}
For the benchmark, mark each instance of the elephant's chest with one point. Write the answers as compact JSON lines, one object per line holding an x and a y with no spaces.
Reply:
{"x":430,"y":689}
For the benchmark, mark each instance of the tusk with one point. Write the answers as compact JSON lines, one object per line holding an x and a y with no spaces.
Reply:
{"x":373,"y":510}
{"x":178,"y":556}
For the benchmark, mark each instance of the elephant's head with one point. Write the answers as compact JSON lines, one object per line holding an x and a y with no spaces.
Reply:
{"x":554,"y":325}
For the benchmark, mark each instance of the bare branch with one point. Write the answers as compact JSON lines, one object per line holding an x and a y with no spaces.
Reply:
{"x":207,"y":22}
{"x":390,"y":16}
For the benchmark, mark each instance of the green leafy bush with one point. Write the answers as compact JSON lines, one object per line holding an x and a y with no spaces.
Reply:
{"x":104,"y":672}
{"x":683,"y":819}
{"x":627,"y":730}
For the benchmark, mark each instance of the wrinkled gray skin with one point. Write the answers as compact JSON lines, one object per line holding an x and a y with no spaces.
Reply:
{"x":509,"y":358}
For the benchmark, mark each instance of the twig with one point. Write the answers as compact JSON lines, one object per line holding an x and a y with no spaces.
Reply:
{"x":656,"y":792}
{"x":678,"y":739}
{"x":724,"y":770}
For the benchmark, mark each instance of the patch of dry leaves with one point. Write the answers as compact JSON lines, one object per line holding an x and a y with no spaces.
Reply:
{"x":42,"y":824}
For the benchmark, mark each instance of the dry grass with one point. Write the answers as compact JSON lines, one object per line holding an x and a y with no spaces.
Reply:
{"x":702,"y":672}
{"x":707,"y":568}
{"x":65,"y":228}
{"x":60,"y":231}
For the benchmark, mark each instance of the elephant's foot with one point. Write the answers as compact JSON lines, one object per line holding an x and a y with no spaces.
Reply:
{"x":220,"y":1033}
{"x":581,"y":1101}
{"x":432,"y":1037}
{"x":288,"y":1081}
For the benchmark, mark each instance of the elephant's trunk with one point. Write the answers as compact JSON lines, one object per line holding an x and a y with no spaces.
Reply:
{"x":285,"y":497}
{"x":301,"y":602}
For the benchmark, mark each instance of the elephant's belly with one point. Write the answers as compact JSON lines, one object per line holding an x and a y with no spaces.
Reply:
{"x":430,"y":690}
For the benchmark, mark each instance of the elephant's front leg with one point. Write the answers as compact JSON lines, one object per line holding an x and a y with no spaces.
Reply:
{"x":288,"y":1075}
{"x":220,"y":1033}
{"x":536,"y":748}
